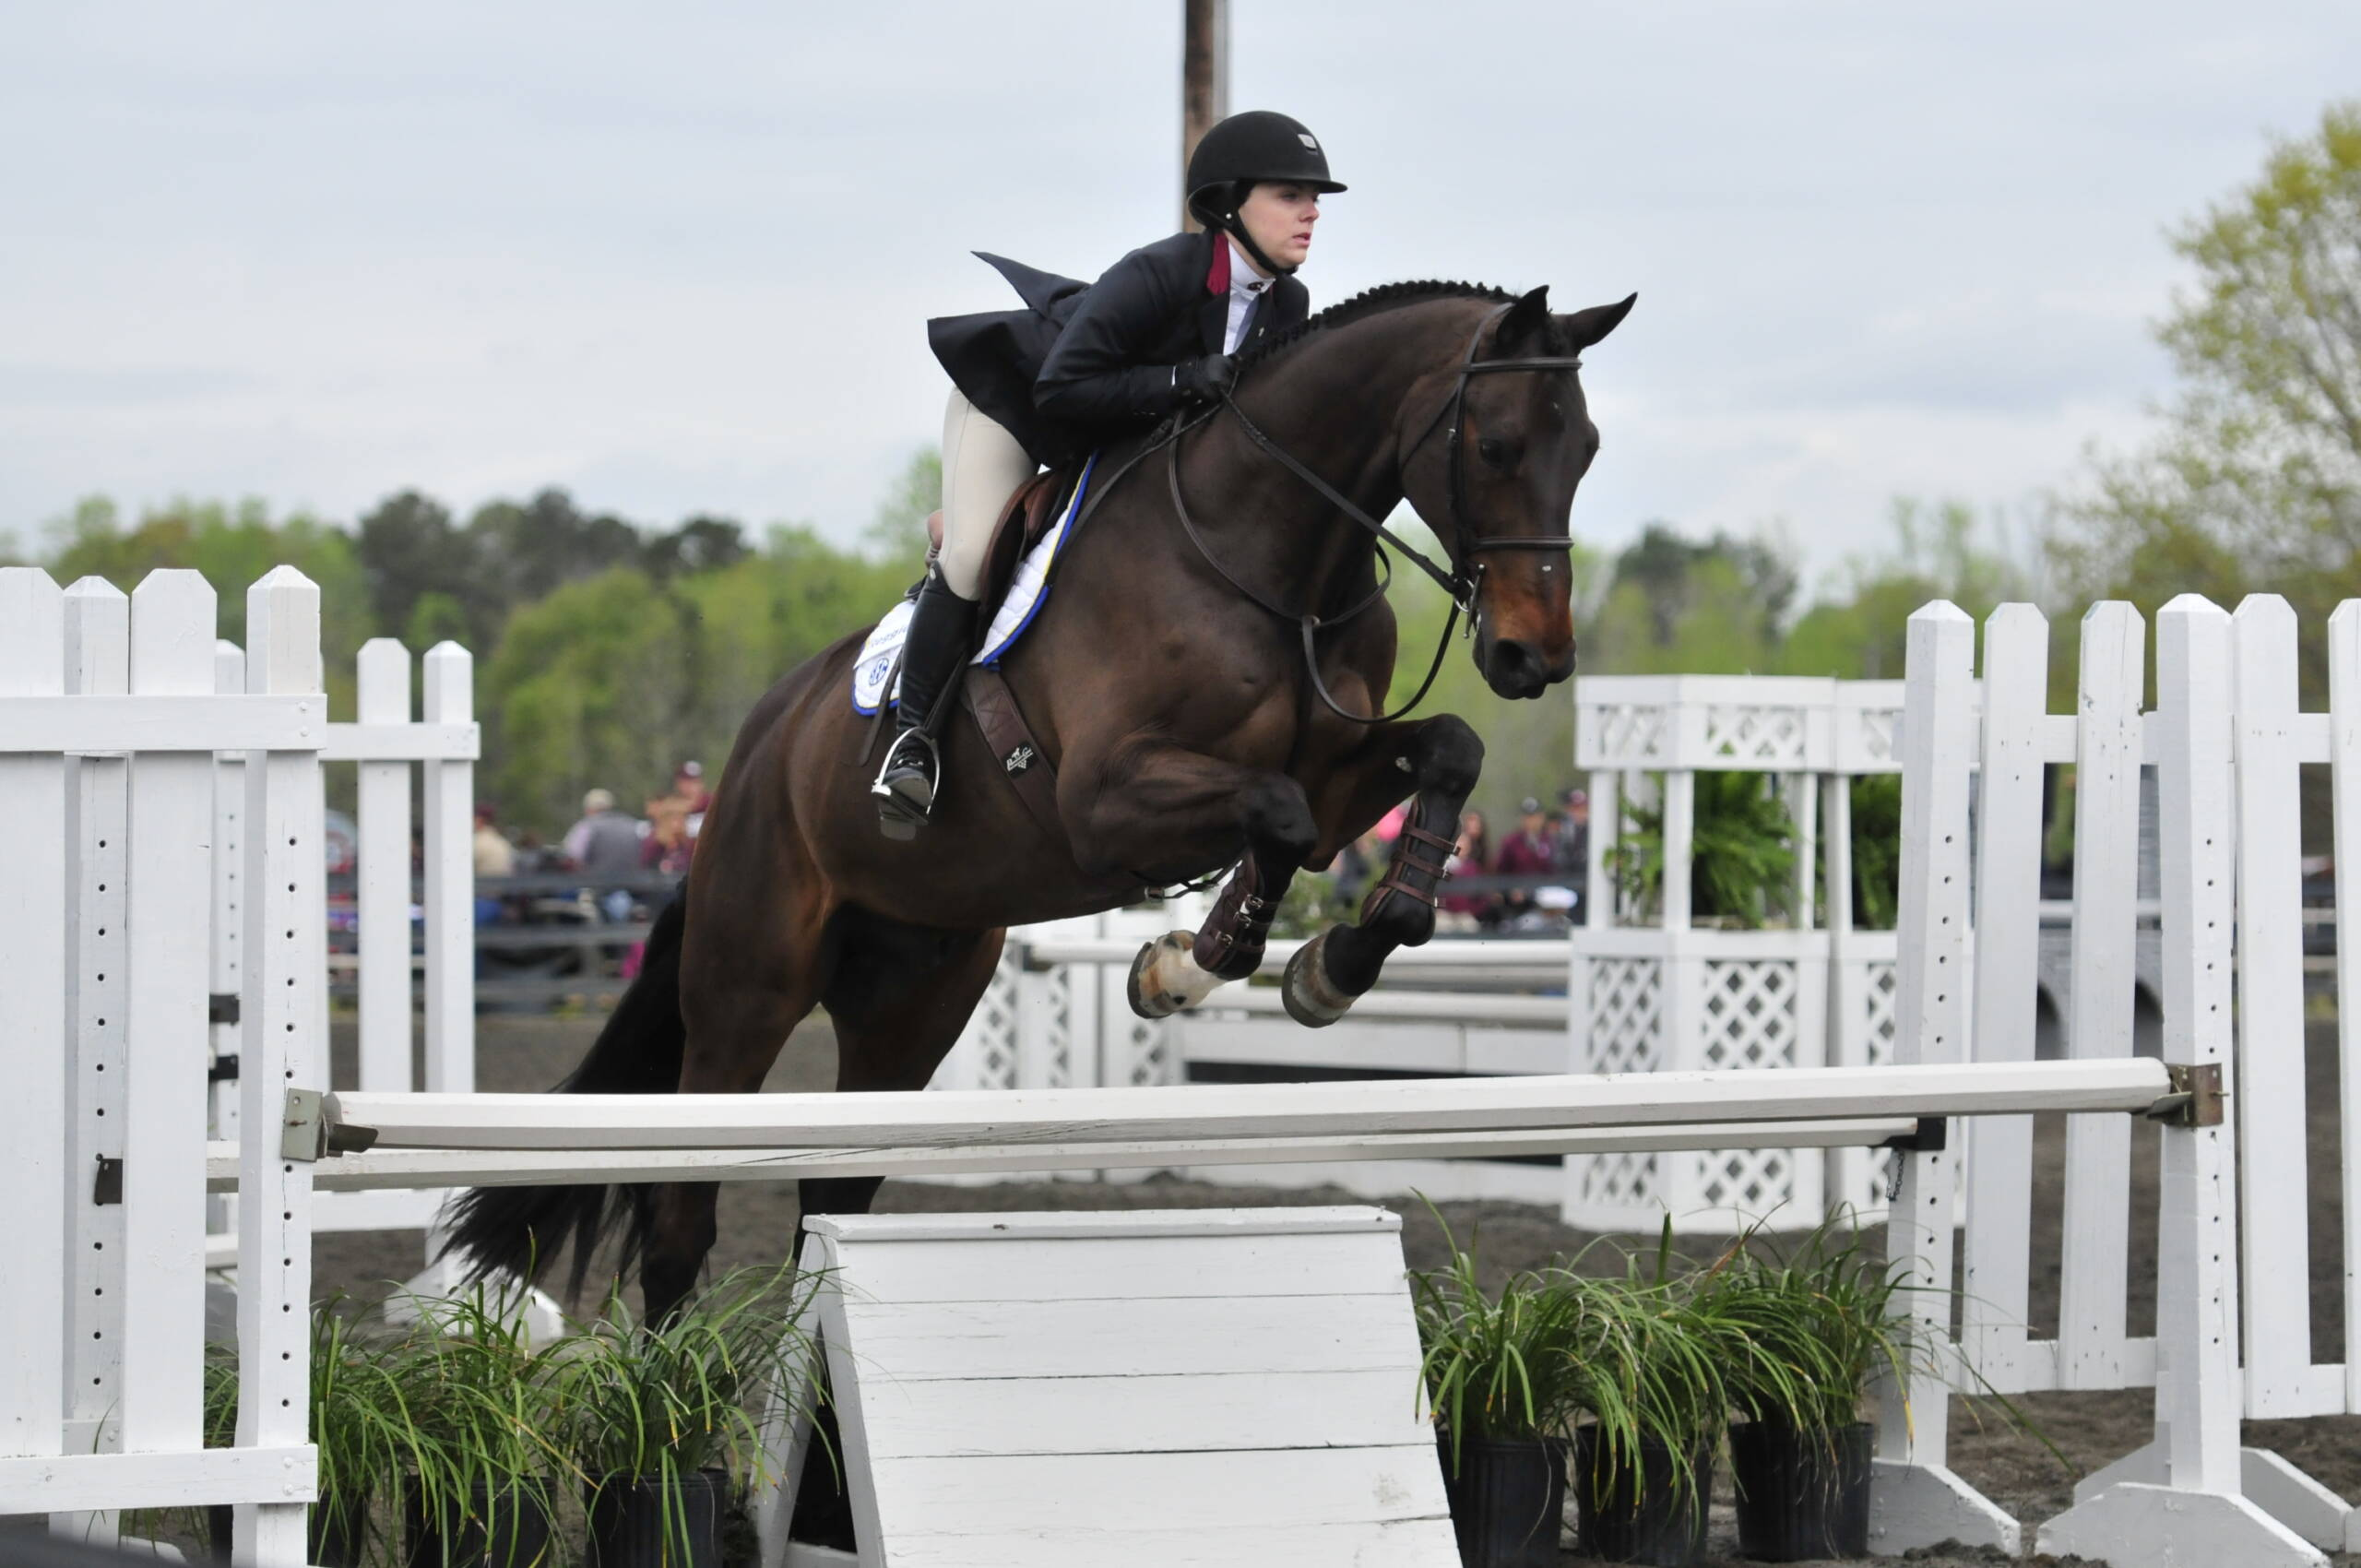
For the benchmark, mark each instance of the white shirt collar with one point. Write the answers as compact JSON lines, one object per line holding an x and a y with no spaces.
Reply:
{"x":1243,"y":278}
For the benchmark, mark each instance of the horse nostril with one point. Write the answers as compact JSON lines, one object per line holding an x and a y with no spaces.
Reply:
{"x":1512,"y":664}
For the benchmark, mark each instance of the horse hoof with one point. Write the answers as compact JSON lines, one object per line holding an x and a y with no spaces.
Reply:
{"x":1305,"y":991}
{"x":1165,"y":976}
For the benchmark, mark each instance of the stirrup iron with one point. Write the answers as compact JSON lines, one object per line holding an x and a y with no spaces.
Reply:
{"x":905,"y":783}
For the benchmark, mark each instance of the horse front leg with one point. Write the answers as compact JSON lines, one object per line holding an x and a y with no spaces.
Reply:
{"x":1168,"y":796}
{"x":1440,"y":758}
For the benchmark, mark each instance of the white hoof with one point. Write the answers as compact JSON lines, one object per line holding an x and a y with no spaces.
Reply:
{"x":1306,"y":993}
{"x":1165,"y":978}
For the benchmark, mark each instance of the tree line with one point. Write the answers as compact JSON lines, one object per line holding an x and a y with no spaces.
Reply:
{"x":610,"y":650}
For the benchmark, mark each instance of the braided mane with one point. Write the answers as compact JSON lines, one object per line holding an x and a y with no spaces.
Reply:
{"x":1370,"y":302}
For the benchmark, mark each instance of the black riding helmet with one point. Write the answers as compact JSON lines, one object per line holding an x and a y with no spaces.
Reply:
{"x":1243,"y":151}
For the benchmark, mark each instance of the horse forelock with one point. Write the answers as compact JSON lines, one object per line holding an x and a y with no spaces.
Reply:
{"x":1385,"y":297}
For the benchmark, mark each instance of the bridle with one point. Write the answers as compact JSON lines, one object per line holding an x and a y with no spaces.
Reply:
{"x":1465,"y":544}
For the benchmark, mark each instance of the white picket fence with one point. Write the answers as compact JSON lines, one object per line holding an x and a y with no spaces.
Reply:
{"x":2227,"y":736}
{"x":400,"y":761}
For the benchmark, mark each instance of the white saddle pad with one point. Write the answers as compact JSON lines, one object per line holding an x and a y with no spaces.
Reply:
{"x":1026,"y":592}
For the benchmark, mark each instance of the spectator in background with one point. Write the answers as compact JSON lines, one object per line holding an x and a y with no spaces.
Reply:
{"x":494,"y":858}
{"x":688,"y":788}
{"x":1471,"y":857}
{"x":604,"y":847}
{"x":1531,"y":850}
{"x":666,"y":849}
{"x":1574,"y":844}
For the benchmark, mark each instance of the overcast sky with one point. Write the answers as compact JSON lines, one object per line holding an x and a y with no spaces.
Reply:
{"x":679,"y":259}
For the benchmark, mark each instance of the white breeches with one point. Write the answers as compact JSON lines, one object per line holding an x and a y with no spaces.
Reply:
{"x":982,"y":465}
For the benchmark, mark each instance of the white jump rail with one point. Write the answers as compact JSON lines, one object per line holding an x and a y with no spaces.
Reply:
{"x":1338,"y":1112}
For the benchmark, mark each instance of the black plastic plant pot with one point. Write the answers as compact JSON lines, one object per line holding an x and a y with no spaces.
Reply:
{"x":503,"y":1527}
{"x":1802,"y":1493}
{"x":1645,"y":1514}
{"x":1508,"y":1498}
{"x":645,"y":1522}
{"x":336,"y":1538}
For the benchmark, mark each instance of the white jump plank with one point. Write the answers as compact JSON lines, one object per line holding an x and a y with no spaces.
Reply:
{"x":151,"y":723}
{"x":1930,"y":1000}
{"x":381,"y":894}
{"x":951,"y":1117}
{"x":34,"y":1024}
{"x":2345,"y":717}
{"x":2198,"y":1386}
{"x":1997,"y":1258}
{"x":2273,"y":1234}
{"x":1118,"y":1492}
{"x":1131,"y":1414}
{"x":284,"y":1013}
{"x":1208,"y":1543}
{"x":164,"y":1102}
{"x":449,"y":803}
{"x":2106,"y":874}
{"x":98,"y":646}
{"x":80,"y":1482}
{"x":1266,"y":1335}
{"x":1132,"y":1268}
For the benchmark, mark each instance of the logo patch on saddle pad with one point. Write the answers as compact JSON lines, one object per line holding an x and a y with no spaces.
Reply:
{"x":1026,"y":592}
{"x":1019,"y":760}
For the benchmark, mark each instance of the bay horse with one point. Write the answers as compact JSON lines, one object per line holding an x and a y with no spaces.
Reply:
{"x":1203,"y":686}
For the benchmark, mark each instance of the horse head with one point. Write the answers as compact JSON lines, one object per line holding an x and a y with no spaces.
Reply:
{"x":1495,"y":482}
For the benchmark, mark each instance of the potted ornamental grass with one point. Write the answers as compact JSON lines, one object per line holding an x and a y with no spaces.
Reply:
{"x":1652,"y":1404}
{"x":1502,"y":1388}
{"x":1804,"y":1337}
{"x":480,"y":1396}
{"x":656,"y":1417}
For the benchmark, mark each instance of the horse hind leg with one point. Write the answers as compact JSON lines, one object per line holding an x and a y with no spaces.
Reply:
{"x":750,"y":976}
{"x":1443,"y":757}
{"x":899,"y":1000}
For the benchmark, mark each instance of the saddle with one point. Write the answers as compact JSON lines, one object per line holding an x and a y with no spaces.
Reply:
{"x":1022,"y":523}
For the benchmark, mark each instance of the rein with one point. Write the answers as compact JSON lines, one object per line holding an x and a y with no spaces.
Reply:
{"x":1457,"y":584}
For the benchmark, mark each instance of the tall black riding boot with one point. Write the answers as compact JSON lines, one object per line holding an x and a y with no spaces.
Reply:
{"x":942,"y":633}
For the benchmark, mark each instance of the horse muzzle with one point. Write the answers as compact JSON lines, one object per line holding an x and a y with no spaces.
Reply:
{"x":1516,"y":669}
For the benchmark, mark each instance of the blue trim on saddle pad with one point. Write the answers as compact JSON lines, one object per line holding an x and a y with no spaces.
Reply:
{"x":1017,"y":613}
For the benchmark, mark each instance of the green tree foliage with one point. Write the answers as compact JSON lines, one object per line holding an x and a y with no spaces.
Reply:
{"x":897,"y":534}
{"x":2254,"y":484}
{"x":613,"y":680}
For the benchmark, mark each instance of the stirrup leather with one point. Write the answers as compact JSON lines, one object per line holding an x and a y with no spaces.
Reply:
{"x":905,"y":783}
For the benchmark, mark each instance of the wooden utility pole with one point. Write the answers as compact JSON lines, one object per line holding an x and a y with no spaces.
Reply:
{"x":1204,"y":79}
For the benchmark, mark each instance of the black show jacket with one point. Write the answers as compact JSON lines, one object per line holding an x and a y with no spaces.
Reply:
{"x":1085,"y":364}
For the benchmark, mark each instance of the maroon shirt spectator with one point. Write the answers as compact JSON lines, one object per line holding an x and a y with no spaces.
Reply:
{"x":1472,"y":857}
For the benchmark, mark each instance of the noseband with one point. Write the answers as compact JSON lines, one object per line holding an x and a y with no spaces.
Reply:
{"x":1466,"y":544}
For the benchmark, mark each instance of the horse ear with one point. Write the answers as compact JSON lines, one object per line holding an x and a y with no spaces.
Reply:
{"x":1525,"y":324}
{"x":1587,"y":326}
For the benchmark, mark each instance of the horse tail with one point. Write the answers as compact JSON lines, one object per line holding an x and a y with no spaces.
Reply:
{"x":518,"y":1230}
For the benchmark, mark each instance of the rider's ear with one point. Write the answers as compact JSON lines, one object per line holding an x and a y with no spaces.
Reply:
{"x":1526,"y":326}
{"x":1587,"y":326}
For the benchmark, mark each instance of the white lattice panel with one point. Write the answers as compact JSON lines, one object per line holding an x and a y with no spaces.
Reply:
{"x":1750,"y":1009}
{"x":1628,"y":734}
{"x":985,"y":1057}
{"x":1877,"y":1000}
{"x":1767,"y":737}
{"x":1626,"y":1015}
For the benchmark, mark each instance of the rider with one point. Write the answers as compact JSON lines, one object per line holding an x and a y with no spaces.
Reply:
{"x":1085,"y":365}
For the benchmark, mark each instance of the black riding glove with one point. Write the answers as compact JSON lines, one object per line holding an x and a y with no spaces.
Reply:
{"x":1206,"y":380}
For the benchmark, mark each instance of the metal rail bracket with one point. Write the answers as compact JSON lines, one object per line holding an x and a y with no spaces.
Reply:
{"x":312,"y":1130}
{"x":2196,"y":1097}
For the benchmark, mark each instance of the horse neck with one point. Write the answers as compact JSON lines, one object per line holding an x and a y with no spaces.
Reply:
{"x":1335,"y":404}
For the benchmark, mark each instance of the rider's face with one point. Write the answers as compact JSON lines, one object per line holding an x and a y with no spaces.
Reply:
{"x":1279,"y":218}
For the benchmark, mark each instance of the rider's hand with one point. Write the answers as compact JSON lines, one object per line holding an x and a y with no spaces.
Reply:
{"x":1205,"y":380}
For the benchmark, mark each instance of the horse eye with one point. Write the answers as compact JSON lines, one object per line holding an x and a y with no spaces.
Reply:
{"x":1494,"y":451}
